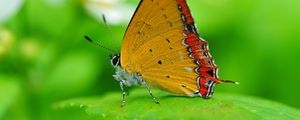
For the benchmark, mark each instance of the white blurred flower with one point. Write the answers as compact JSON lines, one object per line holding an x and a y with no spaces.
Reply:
{"x":115,"y":11}
{"x":8,"y":8}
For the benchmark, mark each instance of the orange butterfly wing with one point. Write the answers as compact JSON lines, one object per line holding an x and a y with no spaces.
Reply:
{"x":162,"y":45}
{"x":153,"y":47}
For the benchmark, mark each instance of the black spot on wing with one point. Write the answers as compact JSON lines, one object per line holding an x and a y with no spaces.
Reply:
{"x":168,"y":40}
{"x":191,"y":28}
{"x":203,"y":47}
{"x":165,"y":16}
{"x":179,"y":8}
{"x":170,"y":23}
{"x":211,"y":72}
{"x":159,"y":62}
{"x":206,"y":54}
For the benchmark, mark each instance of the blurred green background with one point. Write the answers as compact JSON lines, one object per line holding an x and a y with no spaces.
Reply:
{"x":45,"y":59}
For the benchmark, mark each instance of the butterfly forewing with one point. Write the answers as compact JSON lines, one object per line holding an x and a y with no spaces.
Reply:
{"x":152,"y":18}
{"x":153,"y":47}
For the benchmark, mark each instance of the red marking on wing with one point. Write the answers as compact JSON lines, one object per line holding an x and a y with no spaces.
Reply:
{"x":198,"y":48}
{"x":193,"y":39}
{"x":186,"y":11}
{"x":203,"y":89}
{"x":207,"y":70}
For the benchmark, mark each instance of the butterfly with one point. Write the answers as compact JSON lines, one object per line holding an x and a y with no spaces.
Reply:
{"x":162,"y":48}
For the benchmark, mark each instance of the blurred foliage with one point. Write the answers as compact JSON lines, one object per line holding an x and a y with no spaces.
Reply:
{"x":44,"y":58}
{"x":141,"y":107}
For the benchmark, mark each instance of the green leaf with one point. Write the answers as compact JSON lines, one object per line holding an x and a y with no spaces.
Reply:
{"x":8,"y":92}
{"x":139,"y":105}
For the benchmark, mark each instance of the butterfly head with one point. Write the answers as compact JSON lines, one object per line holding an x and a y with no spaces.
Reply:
{"x":115,"y":60}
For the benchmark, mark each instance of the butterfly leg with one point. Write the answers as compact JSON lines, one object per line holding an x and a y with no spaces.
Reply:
{"x":150,"y":92}
{"x":123,"y":93}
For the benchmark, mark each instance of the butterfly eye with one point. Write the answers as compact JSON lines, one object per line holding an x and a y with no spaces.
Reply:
{"x":115,"y":60}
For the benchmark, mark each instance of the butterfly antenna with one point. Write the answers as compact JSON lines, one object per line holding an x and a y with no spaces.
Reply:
{"x":109,"y":28}
{"x":99,"y":45}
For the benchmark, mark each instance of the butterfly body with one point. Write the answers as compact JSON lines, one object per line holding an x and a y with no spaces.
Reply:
{"x":162,"y":48}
